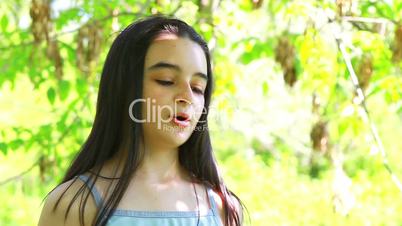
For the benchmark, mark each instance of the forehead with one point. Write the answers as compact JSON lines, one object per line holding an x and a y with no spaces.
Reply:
{"x":185,"y":53}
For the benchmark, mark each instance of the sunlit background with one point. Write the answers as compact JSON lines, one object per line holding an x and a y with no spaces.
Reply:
{"x":306,"y":118}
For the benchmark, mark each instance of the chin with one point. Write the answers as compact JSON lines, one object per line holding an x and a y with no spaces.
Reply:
{"x":178,"y":135}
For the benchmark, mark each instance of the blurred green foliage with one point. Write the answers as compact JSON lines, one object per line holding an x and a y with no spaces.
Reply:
{"x":279,"y":77}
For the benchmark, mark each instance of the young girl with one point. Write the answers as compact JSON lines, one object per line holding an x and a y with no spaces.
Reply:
{"x":148,"y":160}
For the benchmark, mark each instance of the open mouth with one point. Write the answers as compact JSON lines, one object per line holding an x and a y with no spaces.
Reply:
{"x":181,"y":120}
{"x":182,"y":117}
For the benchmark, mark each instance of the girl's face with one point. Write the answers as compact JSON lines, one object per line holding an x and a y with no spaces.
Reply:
{"x":175,"y":78}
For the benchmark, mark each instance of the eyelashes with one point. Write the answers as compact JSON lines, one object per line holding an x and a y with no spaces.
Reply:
{"x":199,"y":91}
{"x":169,"y":83}
{"x":164,"y":83}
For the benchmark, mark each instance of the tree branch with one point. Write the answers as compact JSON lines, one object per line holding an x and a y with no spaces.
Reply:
{"x":362,"y":101}
{"x":19,"y":176}
{"x":61,"y":138}
{"x":54,"y":36}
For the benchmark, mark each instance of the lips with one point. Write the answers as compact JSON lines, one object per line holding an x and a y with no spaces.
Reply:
{"x":181,"y":119}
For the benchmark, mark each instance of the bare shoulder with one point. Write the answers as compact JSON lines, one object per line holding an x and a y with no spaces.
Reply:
{"x":53,"y":217}
{"x":219,"y":205}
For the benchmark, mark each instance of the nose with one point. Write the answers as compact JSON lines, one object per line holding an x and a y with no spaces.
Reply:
{"x":185,"y":94}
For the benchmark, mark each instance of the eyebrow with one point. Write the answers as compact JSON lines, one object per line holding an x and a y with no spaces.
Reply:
{"x":175,"y":67}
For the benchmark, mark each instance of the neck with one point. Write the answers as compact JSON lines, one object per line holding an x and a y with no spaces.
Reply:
{"x":160,"y":166}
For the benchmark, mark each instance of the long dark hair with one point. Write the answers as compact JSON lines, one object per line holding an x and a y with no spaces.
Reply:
{"x":121,"y":82}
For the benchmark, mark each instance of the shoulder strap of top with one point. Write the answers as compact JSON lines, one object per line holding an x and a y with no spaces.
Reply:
{"x":213,"y":203}
{"x":91,"y":186}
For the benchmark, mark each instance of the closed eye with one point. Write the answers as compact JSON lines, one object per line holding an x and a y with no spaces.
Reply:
{"x":164,"y":83}
{"x":197,"y":90}
{"x":168,"y":83}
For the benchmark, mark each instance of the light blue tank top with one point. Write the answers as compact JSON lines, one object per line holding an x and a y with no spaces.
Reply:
{"x":157,"y":218}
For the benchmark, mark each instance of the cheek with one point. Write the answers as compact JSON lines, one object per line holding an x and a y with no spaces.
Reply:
{"x":155,"y":94}
{"x":155,"y":99}
{"x":199,"y":109}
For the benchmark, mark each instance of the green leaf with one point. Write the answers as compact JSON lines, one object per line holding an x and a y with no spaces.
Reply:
{"x":387,"y":97}
{"x":277,"y":6}
{"x":64,"y":89}
{"x":3,"y":148}
{"x":298,"y":66}
{"x":384,"y":9}
{"x":4,"y":23}
{"x":246,"y":5}
{"x":61,"y":126}
{"x":398,"y":6}
{"x":265,"y":88}
{"x":256,"y":49}
{"x":51,"y":95}
{"x":45,"y":132}
{"x":66,"y":16}
{"x":71,"y":52}
{"x":374,"y":89}
{"x":81,"y":86}
{"x":28,"y":144}
{"x":15,"y":144}
{"x":342,"y":127}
